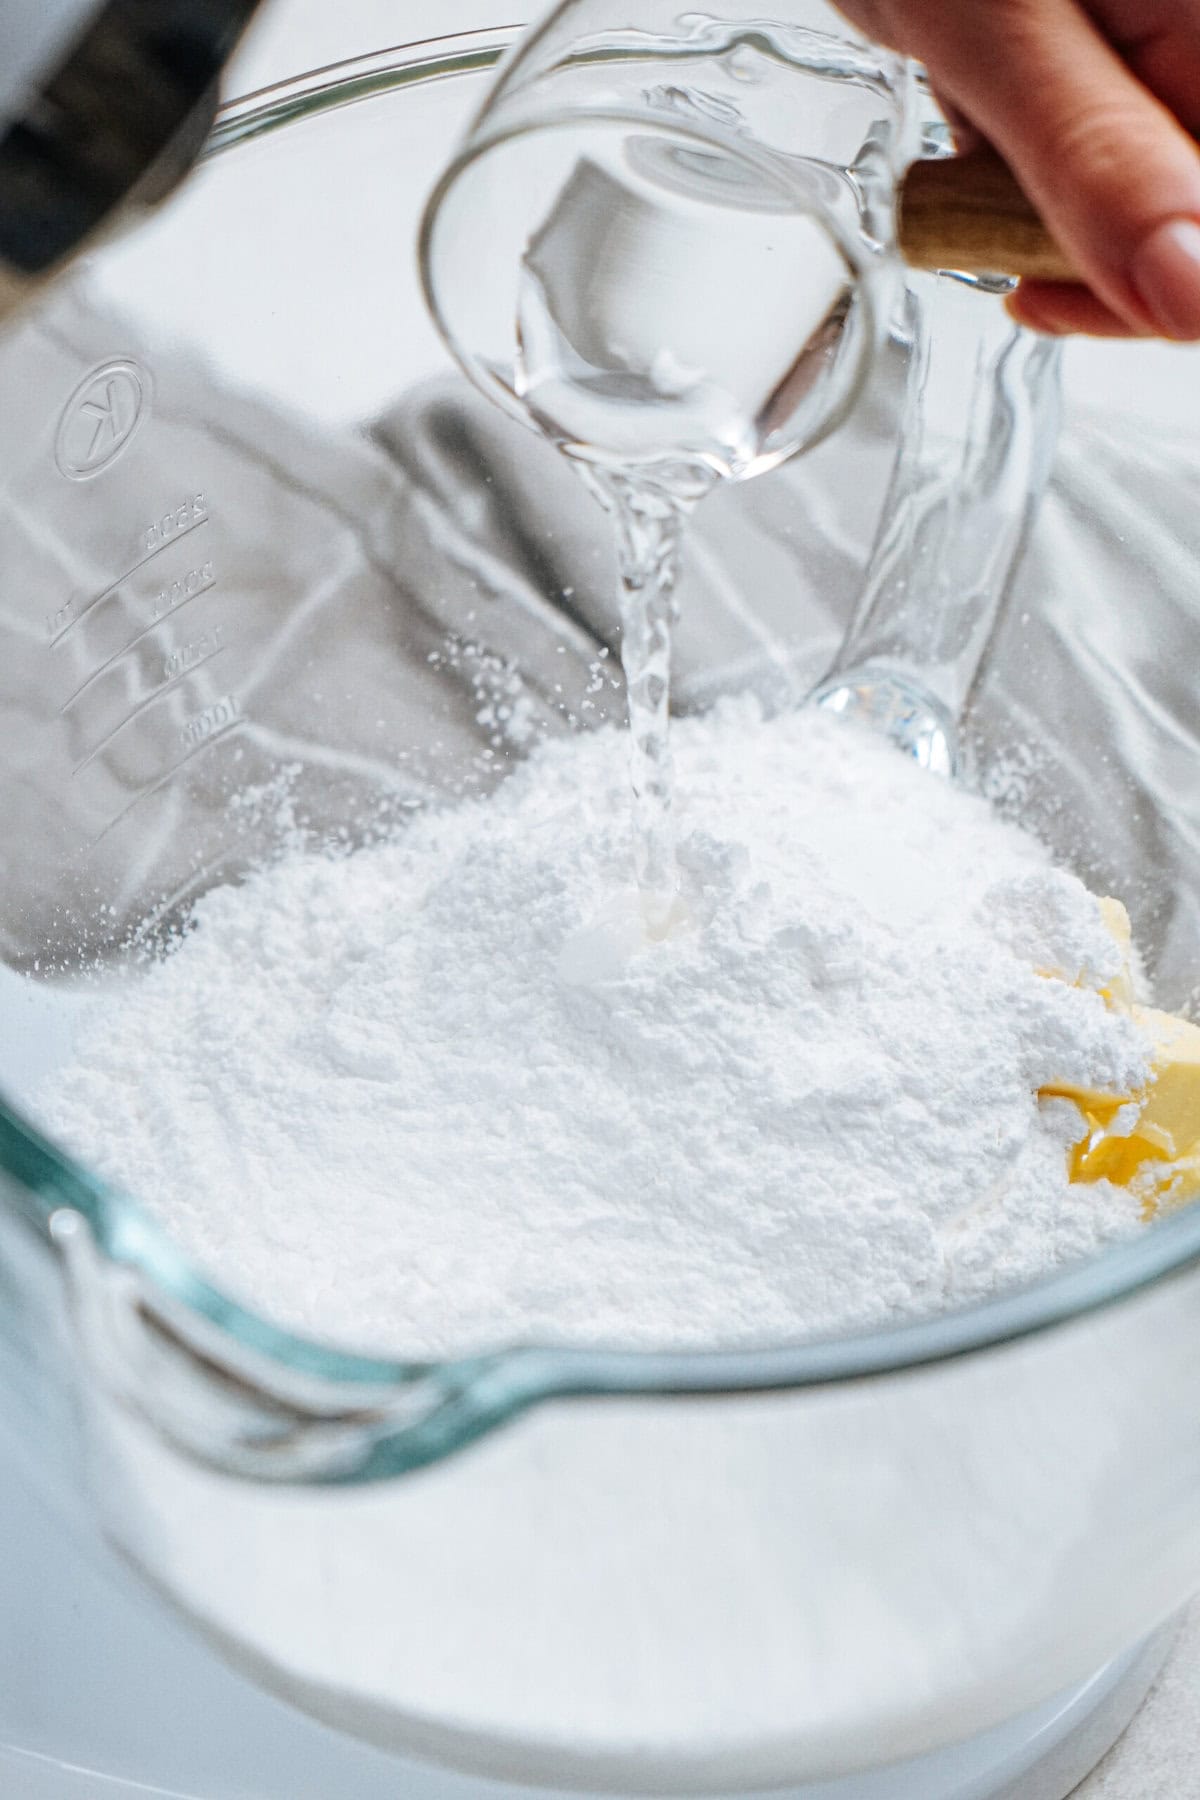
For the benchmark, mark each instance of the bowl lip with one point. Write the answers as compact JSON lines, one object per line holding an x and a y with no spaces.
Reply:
{"x":260,"y":110}
{"x":53,"y":1185}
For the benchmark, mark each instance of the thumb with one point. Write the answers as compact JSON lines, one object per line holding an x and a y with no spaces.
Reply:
{"x":1113,"y":173}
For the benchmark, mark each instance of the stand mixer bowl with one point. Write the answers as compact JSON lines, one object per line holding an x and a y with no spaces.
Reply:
{"x":266,"y":561}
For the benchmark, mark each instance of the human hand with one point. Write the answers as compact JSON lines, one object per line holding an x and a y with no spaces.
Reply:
{"x":1093,"y":103}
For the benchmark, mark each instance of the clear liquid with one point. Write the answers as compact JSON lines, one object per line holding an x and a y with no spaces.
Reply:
{"x":649,"y":518}
{"x":666,"y":251}
{"x":685,"y":304}
{"x":678,"y":303}
{"x":642,"y":357}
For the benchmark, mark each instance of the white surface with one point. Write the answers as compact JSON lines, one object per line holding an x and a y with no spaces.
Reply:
{"x":1157,"y":1758}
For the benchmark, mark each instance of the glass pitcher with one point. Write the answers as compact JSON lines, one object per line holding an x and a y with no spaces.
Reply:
{"x":245,"y":496}
{"x":669,"y":241}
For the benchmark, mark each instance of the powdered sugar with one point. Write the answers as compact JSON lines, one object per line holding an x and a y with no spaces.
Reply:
{"x":441,"y":1094}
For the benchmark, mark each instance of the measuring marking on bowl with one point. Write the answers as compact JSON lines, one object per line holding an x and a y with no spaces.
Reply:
{"x":178,"y":592}
{"x":169,"y":685}
{"x":131,"y":647}
{"x":197,"y":581}
{"x":100,"y":418}
{"x":206,"y":729}
{"x":197,"y":732}
{"x":168,"y":662}
{"x":191,"y":515}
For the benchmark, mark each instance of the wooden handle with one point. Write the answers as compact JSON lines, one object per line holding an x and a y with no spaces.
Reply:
{"x":970,"y":213}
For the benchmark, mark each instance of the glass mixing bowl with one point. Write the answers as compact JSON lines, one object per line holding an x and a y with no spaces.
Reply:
{"x":265,"y":559}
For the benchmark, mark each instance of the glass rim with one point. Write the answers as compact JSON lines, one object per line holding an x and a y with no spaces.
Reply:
{"x":485,"y":1388}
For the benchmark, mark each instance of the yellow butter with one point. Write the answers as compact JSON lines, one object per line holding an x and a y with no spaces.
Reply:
{"x":1170,"y":1116}
{"x":1149,"y":1141}
{"x":1097,"y":1103}
{"x":1130,"y":1161}
{"x":1152,"y":1140}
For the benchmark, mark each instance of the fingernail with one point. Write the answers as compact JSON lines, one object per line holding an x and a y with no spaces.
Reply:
{"x":1166,"y":274}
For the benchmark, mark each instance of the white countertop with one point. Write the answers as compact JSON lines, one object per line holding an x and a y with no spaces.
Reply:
{"x":1158,"y":1758}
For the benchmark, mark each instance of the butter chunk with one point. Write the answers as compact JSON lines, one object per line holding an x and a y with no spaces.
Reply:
{"x":1151,"y":1142}
{"x":1170,"y":1115}
{"x":1148,"y":1141}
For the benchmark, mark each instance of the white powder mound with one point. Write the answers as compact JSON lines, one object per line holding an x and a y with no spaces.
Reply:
{"x":439,"y":1095}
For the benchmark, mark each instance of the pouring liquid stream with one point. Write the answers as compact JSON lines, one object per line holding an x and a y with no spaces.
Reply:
{"x":649,"y":523}
{"x":676,"y":316}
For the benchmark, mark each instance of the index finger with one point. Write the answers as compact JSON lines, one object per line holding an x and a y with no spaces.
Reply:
{"x":1111,"y":169}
